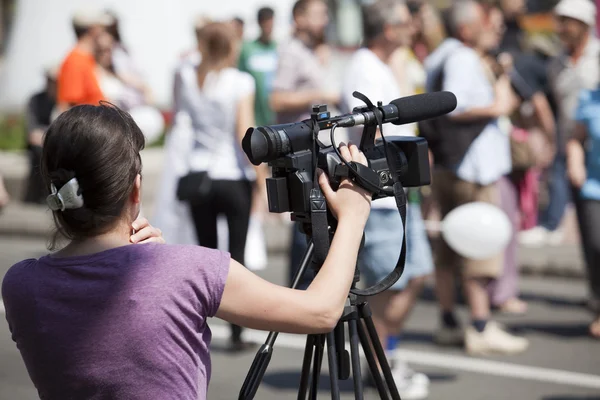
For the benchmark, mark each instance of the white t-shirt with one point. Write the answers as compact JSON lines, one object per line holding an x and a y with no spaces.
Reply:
{"x":372,"y":77}
{"x":213,"y":113}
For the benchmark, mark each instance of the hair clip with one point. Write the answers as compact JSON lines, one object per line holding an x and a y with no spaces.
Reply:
{"x":68,"y":197}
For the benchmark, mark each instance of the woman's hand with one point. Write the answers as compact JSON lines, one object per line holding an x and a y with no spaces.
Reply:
{"x":145,"y":233}
{"x":350,"y":200}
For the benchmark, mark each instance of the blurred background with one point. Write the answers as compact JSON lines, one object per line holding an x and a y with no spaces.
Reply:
{"x":552,"y":300}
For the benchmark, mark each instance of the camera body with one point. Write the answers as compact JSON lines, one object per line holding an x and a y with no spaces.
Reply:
{"x":290,"y":151}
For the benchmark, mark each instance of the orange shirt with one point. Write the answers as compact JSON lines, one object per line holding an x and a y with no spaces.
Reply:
{"x":77,"y":82}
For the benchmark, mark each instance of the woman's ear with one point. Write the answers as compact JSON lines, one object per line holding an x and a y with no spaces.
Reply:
{"x":136,"y":193}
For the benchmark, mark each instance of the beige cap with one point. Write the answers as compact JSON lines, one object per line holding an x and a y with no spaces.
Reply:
{"x":84,"y":18}
{"x":581,"y":10}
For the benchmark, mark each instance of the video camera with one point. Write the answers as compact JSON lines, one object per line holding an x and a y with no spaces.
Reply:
{"x":294,"y":151}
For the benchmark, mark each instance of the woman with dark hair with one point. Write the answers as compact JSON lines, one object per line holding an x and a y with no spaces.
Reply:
{"x":103,"y":319}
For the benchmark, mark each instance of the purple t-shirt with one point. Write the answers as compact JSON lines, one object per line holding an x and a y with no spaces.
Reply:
{"x":126,"y":323}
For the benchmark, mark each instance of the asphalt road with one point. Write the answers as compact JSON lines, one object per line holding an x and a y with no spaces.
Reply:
{"x":563,"y":363}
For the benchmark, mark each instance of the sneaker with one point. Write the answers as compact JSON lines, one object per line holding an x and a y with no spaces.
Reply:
{"x":447,"y":336}
{"x":493,"y":340}
{"x":411,"y":385}
{"x":535,"y":237}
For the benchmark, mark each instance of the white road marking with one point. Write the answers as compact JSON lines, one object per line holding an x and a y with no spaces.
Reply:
{"x":446,"y":361}
{"x":440,"y":360}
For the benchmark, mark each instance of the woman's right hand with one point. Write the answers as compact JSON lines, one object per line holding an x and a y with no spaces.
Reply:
{"x":350,"y":200}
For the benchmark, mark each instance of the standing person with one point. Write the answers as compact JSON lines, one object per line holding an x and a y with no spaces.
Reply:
{"x":37,"y":119}
{"x":531,"y":130}
{"x":299,"y":83}
{"x":471,"y":154}
{"x":576,"y":68}
{"x":259,"y":59}
{"x":387,"y":27}
{"x":583,"y":168}
{"x":299,"y":80}
{"x":218,"y":101}
{"x":77,"y":81}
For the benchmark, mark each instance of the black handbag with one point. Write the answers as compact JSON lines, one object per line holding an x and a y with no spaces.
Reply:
{"x":195,"y":186}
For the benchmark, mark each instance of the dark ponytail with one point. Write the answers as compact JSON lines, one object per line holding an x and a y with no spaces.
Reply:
{"x":100,"y":147}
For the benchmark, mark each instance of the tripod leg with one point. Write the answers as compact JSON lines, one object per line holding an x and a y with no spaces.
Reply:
{"x":308,"y":355}
{"x":355,"y":356}
{"x":317,"y":362}
{"x":366,"y":345}
{"x":365,"y":313}
{"x":333,"y":367}
{"x":263,"y":356}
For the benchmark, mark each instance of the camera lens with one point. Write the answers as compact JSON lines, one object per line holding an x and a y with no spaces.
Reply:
{"x":268,"y":143}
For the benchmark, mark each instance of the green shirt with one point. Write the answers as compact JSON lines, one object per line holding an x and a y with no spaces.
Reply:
{"x":260,"y":61}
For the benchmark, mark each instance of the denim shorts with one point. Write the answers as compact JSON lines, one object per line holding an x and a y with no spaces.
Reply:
{"x":383,"y":242}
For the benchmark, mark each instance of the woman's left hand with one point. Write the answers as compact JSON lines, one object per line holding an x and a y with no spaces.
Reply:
{"x":145,"y":233}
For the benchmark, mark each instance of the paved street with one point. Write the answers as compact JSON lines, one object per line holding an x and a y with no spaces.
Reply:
{"x":562,"y":364}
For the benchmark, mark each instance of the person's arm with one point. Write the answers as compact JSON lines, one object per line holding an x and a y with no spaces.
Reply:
{"x":35,"y":130}
{"x":458,"y":73}
{"x":544,"y":115}
{"x":282,"y":101}
{"x":285,"y":96}
{"x":576,"y":156}
{"x":250,"y":301}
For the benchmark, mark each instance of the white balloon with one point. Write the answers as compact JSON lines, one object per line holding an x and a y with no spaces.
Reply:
{"x":477,"y":230}
{"x":150,"y":121}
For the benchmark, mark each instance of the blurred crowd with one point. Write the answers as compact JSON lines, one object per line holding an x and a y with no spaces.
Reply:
{"x":523,"y":138}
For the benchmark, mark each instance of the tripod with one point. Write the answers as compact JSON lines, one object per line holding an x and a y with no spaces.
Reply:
{"x":357,"y":316}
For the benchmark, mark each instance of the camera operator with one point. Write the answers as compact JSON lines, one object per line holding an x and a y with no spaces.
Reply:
{"x":471,"y":153}
{"x":387,"y":27}
{"x":299,"y":83}
{"x":103,"y":319}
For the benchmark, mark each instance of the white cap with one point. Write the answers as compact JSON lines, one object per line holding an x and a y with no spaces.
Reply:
{"x":84,"y":18}
{"x":581,"y":10}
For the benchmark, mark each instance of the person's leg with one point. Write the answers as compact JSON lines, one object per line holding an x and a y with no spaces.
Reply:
{"x":34,"y":192}
{"x":204,"y":215}
{"x":449,"y":193}
{"x":559,"y":194}
{"x":235,"y":198}
{"x":504,"y":291}
{"x":588,"y":216}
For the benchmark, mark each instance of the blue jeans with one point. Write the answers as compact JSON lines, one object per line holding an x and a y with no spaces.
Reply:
{"x":559,"y":193}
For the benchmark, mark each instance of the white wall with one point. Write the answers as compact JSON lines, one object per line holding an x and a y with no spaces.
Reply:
{"x":155,"y":31}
